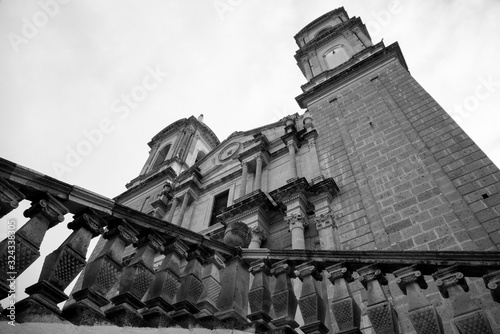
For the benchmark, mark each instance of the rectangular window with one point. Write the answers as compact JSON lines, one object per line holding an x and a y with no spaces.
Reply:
{"x":220,"y":203}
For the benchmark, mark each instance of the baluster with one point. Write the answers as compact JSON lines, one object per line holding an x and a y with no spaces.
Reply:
{"x":492,"y":282}
{"x":468,"y":318}
{"x":190,"y":289}
{"x":165,"y":285}
{"x":260,"y":296}
{"x":233,"y":299}
{"x":283,"y":297}
{"x":207,"y":303}
{"x":422,"y":314}
{"x":59,"y":270}
{"x":9,"y":197}
{"x":311,"y":303}
{"x":100,"y":275}
{"x":346,"y":312}
{"x":380,"y":311}
{"x":134,"y":282}
{"x":44,"y":214}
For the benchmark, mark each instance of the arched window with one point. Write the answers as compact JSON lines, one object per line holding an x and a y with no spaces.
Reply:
{"x":335,"y":56}
{"x":199,"y":156}
{"x":160,"y":157}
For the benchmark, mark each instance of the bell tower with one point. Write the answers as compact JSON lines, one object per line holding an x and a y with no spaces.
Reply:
{"x":176,"y":148}
{"x":330,"y":44}
{"x":406,"y":171}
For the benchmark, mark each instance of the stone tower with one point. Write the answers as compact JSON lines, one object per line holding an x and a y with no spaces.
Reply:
{"x":410,"y":178}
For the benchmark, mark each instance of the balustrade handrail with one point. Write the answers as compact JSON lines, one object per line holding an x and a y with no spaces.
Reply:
{"x":471,"y":264}
{"x":35,"y":185}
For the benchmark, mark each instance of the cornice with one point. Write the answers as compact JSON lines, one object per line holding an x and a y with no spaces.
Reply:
{"x":348,"y":74}
{"x":328,"y":35}
{"x":320,"y":20}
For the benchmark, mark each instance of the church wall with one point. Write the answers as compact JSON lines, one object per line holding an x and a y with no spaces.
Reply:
{"x":394,"y":192}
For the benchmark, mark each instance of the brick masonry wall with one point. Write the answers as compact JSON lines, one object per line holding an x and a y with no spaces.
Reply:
{"x":410,"y":178}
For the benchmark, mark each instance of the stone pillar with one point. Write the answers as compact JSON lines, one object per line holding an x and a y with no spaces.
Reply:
{"x":327,"y":231}
{"x":9,"y":197}
{"x":307,"y":68}
{"x":160,"y":203}
{"x":468,"y":317}
{"x":258,"y":235}
{"x":296,"y":224}
{"x":380,"y":311}
{"x":134,"y":282}
{"x":260,"y":296}
{"x":165,"y":286}
{"x":258,"y":173}
{"x":100,"y":275}
{"x":44,"y":214}
{"x":173,"y":207}
{"x":207,"y":303}
{"x":185,"y":202}
{"x":314,"y":157}
{"x":422,"y":314}
{"x":292,"y":148}
{"x":58,"y":271}
{"x":244,"y":176}
{"x":346,"y":312}
{"x":233,"y":299}
{"x":311,"y":303}
{"x":190,"y":289}
{"x":283,"y":297}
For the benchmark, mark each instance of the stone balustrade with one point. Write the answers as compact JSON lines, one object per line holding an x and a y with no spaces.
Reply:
{"x":206,"y":283}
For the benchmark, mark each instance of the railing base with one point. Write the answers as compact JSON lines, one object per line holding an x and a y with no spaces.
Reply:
{"x":156,"y":317}
{"x":282,"y":330}
{"x":124,"y":315}
{"x":185,"y":319}
{"x":210,"y":322}
{"x":82,"y":314}
{"x":31,"y":310}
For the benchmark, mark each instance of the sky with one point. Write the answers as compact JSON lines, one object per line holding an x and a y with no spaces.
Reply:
{"x":85,"y":85}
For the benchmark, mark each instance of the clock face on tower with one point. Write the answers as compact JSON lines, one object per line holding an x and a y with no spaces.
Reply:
{"x":230,"y":151}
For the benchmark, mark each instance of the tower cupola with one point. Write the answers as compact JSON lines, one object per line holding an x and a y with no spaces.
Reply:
{"x":329,"y":42}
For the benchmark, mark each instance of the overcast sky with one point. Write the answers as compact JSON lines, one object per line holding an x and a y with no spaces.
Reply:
{"x":130,"y":68}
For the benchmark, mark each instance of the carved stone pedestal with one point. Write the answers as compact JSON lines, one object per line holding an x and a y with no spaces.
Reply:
{"x":158,"y":318}
{"x":125,"y":313}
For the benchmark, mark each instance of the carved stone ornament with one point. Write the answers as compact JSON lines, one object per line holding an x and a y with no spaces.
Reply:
{"x":449,"y":277}
{"x":176,"y":246}
{"x":237,"y":234}
{"x":409,"y":275}
{"x":259,"y":232}
{"x":324,"y":220}
{"x":9,"y":197}
{"x":296,"y":220}
{"x":492,"y":282}
{"x":371,"y":273}
{"x":124,"y":230}
{"x":90,"y":220}
{"x":230,"y":151}
{"x":50,"y":208}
